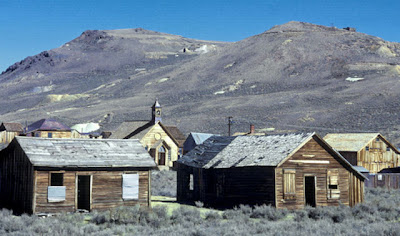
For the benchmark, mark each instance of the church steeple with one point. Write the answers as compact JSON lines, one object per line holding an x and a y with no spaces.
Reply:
{"x":156,"y":112}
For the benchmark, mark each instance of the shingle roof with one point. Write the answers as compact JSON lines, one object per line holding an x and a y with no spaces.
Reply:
{"x":50,"y":152}
{"x":241,"y":151}
{"x":176,"y":134}
{"x":47,"y":124}
{"x":12,"y":127}
{"x":132,"y":129}
{"x":349,"y":142}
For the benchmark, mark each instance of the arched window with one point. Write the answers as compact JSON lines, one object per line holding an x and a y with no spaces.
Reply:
{"x":161,"y":156}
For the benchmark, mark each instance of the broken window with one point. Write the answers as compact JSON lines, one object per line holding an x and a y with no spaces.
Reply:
{"x":333,"y":191}
{"x":56,"y":190}
{"x":49,"y":135}
{"x":289,"y":184}
{"x":130,"y":186}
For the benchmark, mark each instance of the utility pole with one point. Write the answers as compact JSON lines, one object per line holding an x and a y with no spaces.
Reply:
{"x":229,"y":125}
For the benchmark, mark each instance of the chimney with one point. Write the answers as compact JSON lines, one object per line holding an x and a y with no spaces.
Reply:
{"x":252,"y":129}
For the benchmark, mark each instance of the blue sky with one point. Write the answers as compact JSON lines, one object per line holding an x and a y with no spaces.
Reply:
{"x":29,"y":27}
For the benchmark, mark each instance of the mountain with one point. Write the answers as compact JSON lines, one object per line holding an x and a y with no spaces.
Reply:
{"x":293,"y":77}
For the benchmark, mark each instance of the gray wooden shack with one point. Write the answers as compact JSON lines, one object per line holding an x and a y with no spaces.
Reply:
{"x":46,"y":175}
{"x":285,"y":171}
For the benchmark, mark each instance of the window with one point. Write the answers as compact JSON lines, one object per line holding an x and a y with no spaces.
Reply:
{"x":57,"y":179}
{"x":377,"y":139}
{"x":56,"y":191}
{"x":130,"y":186}
{"x":289,"y":184}
{"x":180,"y":152}
{"x":191,"y":185}
{"x":332,"y":178}
{"x":49,"y":135}
{"x":37,"y":134}
{"x":367,"y":148}
{"x":388,"y":149}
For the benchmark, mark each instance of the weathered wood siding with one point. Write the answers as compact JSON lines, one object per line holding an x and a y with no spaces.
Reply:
{"x":313,"y":160}
{"x":378,"y":156}
{"x":384,"y":180}
{"x":16,"y":180}
{"x":155,"y":134}
{"x":226,"y":188}
{"x":106,"y":190}
{"x":7,"y":137}
{"x":54,"y":134}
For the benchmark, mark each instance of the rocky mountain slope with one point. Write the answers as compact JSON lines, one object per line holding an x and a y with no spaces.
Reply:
{"x":293,"y":77}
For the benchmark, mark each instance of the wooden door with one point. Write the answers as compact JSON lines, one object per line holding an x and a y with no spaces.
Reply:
{"x":84,"y":190}
{"x":309,"y":190}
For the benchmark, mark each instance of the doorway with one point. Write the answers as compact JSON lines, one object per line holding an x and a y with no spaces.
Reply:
{"x":309,"y":190}
{"x":84,"y":187}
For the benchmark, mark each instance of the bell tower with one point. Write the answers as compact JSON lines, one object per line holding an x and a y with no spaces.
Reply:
{"x":156,"y":112}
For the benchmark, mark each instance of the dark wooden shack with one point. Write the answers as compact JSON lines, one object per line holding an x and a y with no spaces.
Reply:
{"x":286,"y":171}
{"x":387,"y":178}
{"x":46,"y":175}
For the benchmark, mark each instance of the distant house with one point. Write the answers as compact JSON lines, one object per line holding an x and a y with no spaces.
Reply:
{"x":369,"y":150}
{"x":164,"y":143}
{"x":43,"y":175}
{"x":285,"y":171}
{"x":193,"y":140}
{"x":251,"y":132}
{"x":49,"y":128}
{"x":9,"y":130}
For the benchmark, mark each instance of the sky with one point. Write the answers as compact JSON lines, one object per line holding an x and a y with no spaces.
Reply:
{"x":28,"y":27}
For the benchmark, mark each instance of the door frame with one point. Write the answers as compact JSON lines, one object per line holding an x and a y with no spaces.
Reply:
{"x":315,"y":188}
{"x":90,"y":189}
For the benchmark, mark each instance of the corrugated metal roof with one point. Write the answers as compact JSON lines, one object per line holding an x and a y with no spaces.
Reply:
{"x":47,"y":124}
{"x":241,"y":151}
{"x":50,"y":152}
{"x":360,"y":169}
{"x":349,"y":142}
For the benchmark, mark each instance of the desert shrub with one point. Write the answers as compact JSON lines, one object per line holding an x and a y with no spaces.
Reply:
{"x":245,"y":209}
{"x":163,"y":183}
{"x":199,"y":204}
{"x":268,"y":212}
{"x":212,"y":215}
{"x":186,"y":215}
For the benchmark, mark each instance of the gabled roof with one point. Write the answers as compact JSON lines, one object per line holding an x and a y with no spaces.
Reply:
{"x":48,"y":125}
{"x":132,"y":129}
{"x":244,"y":151}
{"x":176,"y":134}
{"x":241,"y":151}
{"x":11,"y":127}
{"x":199,"y":138}
{"x":353,"y":142}
{"x":78,"y":153}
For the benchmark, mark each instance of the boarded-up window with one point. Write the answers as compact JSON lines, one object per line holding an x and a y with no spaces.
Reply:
{"x":56,"y":193}
{"x":191,"y":187}
{"x":289,"y":184}
{"x":130,"y":186}
{"x":332,"y":178}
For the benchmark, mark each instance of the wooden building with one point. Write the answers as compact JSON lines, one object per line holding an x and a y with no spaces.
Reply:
{"x":369,"y":150}
{"x":9,"y":130}
{"x":286,"y":171}
{"x":48,"y":175}
{"x":50,"y":128}
{"x":164,"y":143}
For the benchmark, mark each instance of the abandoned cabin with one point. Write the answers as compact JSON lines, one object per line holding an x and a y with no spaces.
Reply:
{"x":49,"y":128}
{"x":285,"y":171}
{"x":164,"y":143}
{"x":47,"y":175}
{"x":369,"y":150}
{"x":9,"y":130}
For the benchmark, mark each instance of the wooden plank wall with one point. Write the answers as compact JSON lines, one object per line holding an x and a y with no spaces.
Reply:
{"x":385,"y":180}
{"x":7,"y":137}
{"x":313,"y":151}
{"x":106,"y":191}
{"x":377,"y":157}
{"x":150,"y":139}
{"x":55,"y":134}
{"x":16,"y":175}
